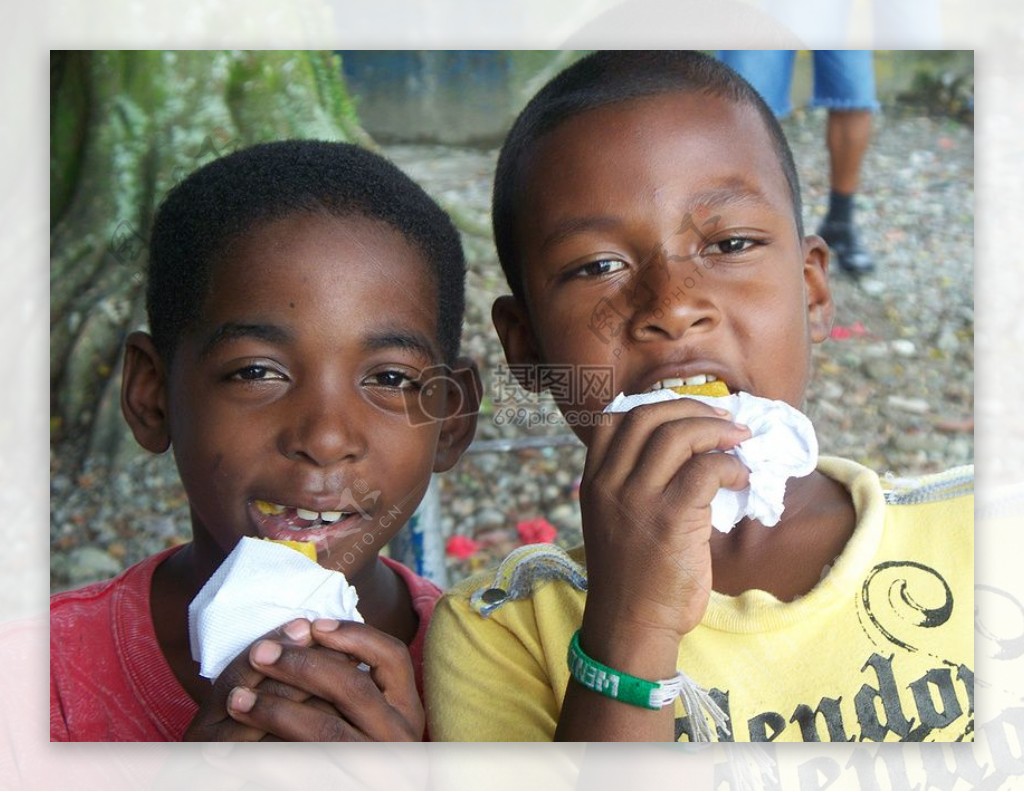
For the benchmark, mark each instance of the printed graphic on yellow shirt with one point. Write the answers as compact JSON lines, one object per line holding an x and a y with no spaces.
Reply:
{"x":904,"y":690}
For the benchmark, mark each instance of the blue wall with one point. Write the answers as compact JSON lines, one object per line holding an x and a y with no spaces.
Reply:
{"x":449,"y":96}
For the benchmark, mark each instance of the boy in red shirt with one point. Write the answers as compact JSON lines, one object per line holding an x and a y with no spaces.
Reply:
{"x":300,"y":293}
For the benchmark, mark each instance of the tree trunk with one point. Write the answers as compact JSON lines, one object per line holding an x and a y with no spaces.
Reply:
{"x":125,"y":127}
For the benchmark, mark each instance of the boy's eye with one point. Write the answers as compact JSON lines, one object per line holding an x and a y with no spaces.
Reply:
{"x":393,"y":379}
{"x":731,"y":245}
{"x":600,"y":267}
{"x":256,"y":372}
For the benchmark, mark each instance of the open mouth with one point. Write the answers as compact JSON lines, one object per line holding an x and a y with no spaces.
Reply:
{"x":278,"y":521}
{"x":683,"y":382}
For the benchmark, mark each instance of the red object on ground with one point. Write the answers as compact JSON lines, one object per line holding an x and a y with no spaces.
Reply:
{"x":536,"y":531}
{"x":462,"y":547}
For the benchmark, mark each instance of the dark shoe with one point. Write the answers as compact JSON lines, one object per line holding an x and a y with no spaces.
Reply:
{"x":852,"y":255}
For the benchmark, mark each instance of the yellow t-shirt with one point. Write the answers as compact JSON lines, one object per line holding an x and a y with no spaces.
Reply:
{"x":882,"y":649}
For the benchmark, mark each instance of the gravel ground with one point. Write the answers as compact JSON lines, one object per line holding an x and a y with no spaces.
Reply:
{"x":893,"y":388}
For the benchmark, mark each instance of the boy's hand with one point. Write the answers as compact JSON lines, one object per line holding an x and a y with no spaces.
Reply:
{"x":646,"y":505}
{"x":382,"y":704}
{"x":297,"y":690}
{"x":213,"y":722}
{"x":646,"y":501}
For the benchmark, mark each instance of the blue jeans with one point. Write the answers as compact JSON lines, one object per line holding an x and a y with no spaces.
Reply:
{"x":843,"y":79}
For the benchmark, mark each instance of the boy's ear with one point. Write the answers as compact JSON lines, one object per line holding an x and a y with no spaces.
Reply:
{"x":517,"y":338}
{"x":463,"y":407}
{"x":144,"y":393}
{"x":820,"y":308}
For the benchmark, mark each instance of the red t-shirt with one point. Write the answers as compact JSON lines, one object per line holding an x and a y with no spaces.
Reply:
{"x":109,"y":681}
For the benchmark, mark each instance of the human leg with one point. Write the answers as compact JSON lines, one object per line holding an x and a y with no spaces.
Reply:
{"x":847,"y":136}
{"x":844,"y":83}
{"x":770,"y":72}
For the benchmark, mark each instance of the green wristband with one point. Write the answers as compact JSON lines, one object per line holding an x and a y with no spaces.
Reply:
{"x":617,"y":685}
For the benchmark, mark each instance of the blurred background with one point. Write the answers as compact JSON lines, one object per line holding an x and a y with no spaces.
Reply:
{"x":893,"y":388}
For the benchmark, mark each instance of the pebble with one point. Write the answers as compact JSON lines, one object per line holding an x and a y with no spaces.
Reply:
{"x":876,"y":350}
{"x":882,"y":369}
{"x":461,"y":507}
{"x":903,"y":347}
{"x":824,"y":408}
{"x":948,"y":341}
{"x":828,"y":390}
{"x":927,"y":442}
{"x":959,"y":448}
{"x":872,"y":287}
{"x":566,"y":515}
{"x":490,"y":517}
{"x":84,"y":565}
{"x":917,"y":406}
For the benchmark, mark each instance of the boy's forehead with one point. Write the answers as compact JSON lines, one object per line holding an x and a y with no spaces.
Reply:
{"x":284,"y":255}
{"x":685,"y":139}
{"x":348,"y":245}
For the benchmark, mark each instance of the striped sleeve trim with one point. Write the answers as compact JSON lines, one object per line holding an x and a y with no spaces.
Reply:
{"x":953,"y":483}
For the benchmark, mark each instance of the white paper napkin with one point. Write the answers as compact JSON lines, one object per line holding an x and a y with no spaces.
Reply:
{"x":782,"y":446}
{"x":260,"y":586}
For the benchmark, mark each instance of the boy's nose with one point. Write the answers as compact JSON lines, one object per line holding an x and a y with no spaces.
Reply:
{"x":669,"y":301}
{"x":323,"y":431}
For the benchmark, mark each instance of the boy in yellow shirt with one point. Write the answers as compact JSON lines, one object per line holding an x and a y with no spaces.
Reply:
{"x":647,"y":215}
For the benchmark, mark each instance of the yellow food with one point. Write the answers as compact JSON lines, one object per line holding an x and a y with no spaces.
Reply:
{"x":713,"y":388}
{"x":308,"y":549}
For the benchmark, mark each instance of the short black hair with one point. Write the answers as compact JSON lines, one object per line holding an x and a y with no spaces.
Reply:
{"x":604,"y":78}
{"x":268,"y":181}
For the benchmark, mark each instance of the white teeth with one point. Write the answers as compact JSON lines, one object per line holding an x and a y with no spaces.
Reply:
{"x":676,"y":382}
{"x":274,"y":509}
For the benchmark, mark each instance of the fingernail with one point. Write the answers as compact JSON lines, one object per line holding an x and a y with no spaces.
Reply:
{"x":326,"y":625}
{"x":266,"y":652}
{"x":742,"y":427}
{"x":297,"y":630}
{"x":241,"y":699}
{"x":720,"y":411}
